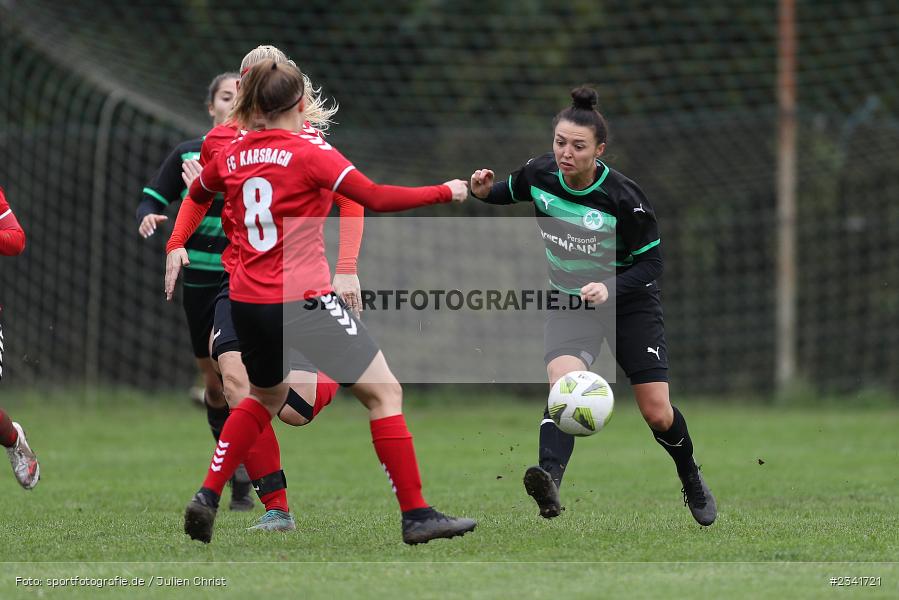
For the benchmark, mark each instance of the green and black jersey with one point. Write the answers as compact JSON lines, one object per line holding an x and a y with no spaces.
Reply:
{"x":205,"y":246}
{"x":606,"y":232}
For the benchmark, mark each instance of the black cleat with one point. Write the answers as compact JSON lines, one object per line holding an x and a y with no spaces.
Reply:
{"x":425,"y":524}
{"x":699,"y":498}
{"x":539,"y":485}
{"x":241,"y":497}
{"x":199,"y":517}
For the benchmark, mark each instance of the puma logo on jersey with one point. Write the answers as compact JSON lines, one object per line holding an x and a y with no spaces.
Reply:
{"x":654,"y":351}
{"x":640,"y":209}
{"x":546,"y":200}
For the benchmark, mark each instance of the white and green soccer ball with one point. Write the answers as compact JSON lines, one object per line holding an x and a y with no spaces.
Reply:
{"x":581,"y":403}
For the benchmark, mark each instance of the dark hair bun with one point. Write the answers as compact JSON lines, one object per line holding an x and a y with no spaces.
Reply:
{"x":585,"y":98}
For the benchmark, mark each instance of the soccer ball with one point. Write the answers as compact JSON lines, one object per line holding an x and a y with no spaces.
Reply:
{"x":581,"y":403}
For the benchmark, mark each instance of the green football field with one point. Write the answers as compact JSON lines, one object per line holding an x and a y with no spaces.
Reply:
{"x":804,"y":495}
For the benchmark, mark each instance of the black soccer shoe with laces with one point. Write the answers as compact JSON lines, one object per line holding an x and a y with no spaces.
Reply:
{"x":539,"y":484}
{"x":698,"y":498}
{"x":199,"y":516}
{"x":422,"y":525}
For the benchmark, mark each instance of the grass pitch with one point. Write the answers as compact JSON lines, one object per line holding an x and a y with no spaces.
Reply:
{"x":804,"y":495}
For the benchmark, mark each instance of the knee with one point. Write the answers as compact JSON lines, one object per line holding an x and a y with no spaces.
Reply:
{"x":556,"y":374}
{"x":386,"y":396}
{"x":563,"y":365}
{"x":215,"y":394}
{"x":393,"y":396}
{"x":659,"y":416}
{"x":235,"y":389}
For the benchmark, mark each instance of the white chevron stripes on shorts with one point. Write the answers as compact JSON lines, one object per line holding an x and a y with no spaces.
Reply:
{"x":340,"y":313}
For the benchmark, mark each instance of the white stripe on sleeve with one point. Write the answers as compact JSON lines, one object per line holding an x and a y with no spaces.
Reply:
{"x":200,"y":177}
{"x":340,"y":178}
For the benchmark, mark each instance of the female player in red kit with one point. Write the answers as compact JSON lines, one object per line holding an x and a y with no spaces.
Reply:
{"x":24,"y":462}
{"x":280,"y":288}
{"x":310,"y":391}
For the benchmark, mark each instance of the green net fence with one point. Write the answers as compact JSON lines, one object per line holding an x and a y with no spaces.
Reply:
{"x":94,"y":95}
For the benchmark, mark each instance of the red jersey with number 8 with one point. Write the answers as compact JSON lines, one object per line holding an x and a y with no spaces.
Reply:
{"x":268,"y":178}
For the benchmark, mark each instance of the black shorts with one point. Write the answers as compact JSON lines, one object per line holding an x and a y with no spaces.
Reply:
{"x":224,"y":336}
{"x":638,"y":344}
{"x":199,"y":307}
{"x":322,"y":329}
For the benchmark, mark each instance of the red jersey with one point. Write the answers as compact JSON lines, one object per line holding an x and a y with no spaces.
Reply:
{"x":12,"y":236}
{"x":351,"y":227}
{"x":217,"y":138}
{"x":270,"y":176}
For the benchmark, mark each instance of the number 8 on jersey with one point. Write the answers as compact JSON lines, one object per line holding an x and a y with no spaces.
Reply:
{"x":257,"y":198}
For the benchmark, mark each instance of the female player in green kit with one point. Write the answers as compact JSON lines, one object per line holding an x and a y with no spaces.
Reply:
{"x":577,"y":196}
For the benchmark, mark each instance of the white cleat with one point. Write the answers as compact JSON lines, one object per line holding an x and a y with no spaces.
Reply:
{"x":24,"y":462}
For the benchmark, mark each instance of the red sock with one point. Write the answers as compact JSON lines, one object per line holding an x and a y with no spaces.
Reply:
{"x":325,"y":388}
{"x":264,"y":459}
{"x":240,"y":432}
{"x":393,"y":444}
{"x":8,"y":433}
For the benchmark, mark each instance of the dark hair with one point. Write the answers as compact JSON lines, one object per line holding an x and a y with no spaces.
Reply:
{"x":267,"y":90}
{"x":583,"y":112}
{"x":216,"y":83}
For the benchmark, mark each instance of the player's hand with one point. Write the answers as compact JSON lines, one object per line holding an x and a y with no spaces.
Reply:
{"x":481,"y":182}
{"x":348,"y":288}
{"x":190,"y":170}
{"x":595,"y":293}
{"x":174,"y":261}
{"x":149,"y":223}
{"x":459,"y":189}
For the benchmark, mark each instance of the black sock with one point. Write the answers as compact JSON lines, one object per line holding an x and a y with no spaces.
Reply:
{"x":211,"y":497}
{"x":216,"y":418}
{"x":676,"y":441}
{"x":419,"y":514}
{"x":556,"y":447}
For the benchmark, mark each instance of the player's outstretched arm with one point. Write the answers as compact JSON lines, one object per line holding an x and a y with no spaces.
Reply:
{"x":391,"y":198}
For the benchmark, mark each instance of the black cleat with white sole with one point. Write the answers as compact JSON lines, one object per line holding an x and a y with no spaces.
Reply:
{"x":422,"y":525}
{"x":539,"y":485}
{"x":199,"y":516}
{"x":698,"y":498}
